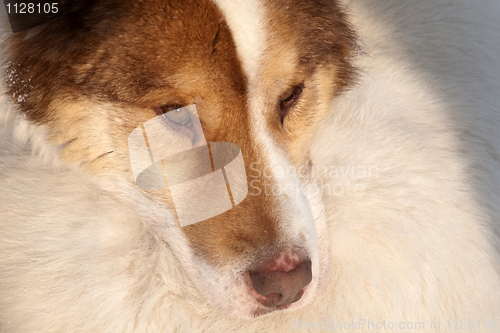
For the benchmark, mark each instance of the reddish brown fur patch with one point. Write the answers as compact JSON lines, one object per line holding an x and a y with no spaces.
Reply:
{"x":319,"y":30}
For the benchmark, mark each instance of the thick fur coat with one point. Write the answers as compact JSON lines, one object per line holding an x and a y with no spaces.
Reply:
{"x":408,"y":160}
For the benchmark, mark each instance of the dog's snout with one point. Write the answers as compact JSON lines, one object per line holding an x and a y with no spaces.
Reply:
{"x":281,"y":280}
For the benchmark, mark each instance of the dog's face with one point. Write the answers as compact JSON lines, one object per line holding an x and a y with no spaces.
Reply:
{"x":261,"y":74}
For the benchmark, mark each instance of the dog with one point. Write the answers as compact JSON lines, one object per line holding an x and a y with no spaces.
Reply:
{"x":369,"y":145}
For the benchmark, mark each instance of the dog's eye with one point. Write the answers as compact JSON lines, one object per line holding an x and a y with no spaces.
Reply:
{"x":178,"y":116}
{"x":175,"y":113}
{"x":288,"y":100}
{"x":179,"y":119}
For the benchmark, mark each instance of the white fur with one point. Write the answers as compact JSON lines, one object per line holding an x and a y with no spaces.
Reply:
{"x":419,"y":245}
{"x":246,"y":21}
{"x":299,"y":210}
{"x":297,"y":213}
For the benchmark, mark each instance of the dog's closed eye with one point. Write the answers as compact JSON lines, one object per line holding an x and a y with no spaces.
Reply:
{"x":288,"y":100}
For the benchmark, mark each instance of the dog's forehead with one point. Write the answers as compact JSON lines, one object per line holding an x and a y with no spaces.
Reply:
{"x":315,"y":32}
{"x":174,"y":48}
{"x":174,"y":37}
{"x":141,"y":50}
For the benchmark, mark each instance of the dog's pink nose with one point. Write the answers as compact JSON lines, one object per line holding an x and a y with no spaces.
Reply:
{"x":281,"y":280}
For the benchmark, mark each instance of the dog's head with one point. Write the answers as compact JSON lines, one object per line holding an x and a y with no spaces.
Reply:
{"x":261,"y":74}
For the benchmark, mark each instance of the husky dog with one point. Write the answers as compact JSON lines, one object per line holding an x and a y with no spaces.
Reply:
{"x":369,"y":137}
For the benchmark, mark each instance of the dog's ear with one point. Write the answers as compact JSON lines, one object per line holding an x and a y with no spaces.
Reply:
{"x":42,"y":53}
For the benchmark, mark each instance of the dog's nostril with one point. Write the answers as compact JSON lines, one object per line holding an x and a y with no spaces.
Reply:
{"x":275,"y":287}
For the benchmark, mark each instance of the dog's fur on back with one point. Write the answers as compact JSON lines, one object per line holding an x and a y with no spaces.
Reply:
{"x":398,"y":125}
